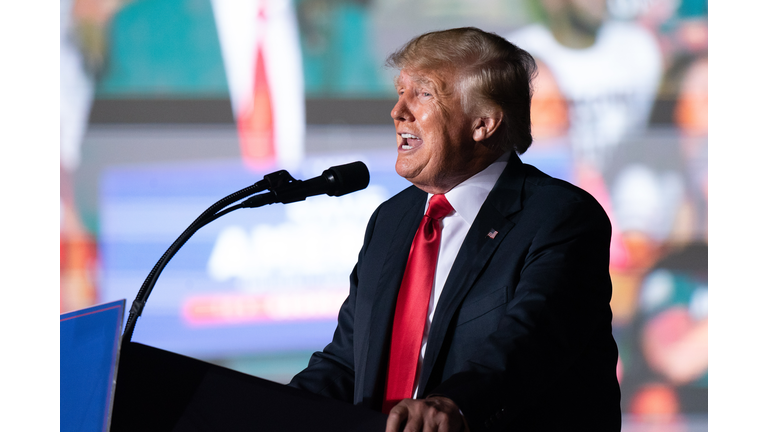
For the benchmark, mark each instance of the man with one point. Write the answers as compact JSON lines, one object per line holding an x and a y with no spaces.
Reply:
{"x":515,"y":330}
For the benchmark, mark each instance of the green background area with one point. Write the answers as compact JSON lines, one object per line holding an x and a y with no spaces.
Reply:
{"x":170,"y":49}
{"x":164,"y":48}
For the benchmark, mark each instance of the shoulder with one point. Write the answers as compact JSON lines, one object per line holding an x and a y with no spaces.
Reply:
{"x":531,"y":36}
{"x":539,"y":183}
{"x":536,"y":39}
{"x":616,"y":36}
{"x":626,"y":31}
{"x":558,"y":198}
{"x":402,"y":201}
{"x":407,"y":195}
{"x":389,"y":214}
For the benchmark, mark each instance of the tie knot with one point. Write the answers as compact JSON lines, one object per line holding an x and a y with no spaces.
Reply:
{"x":439,"y":207}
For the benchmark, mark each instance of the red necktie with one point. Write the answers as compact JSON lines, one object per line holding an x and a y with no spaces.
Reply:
{"x":412,"y":304}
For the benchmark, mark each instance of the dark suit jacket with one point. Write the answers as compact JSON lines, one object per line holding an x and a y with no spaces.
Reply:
{"x":521,"y":337}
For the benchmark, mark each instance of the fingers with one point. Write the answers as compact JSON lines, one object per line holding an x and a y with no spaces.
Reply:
{"x":435,"y":414}
{"x":397,"y":416}
{"x":404,"y":417}
{"x":445,"y":414}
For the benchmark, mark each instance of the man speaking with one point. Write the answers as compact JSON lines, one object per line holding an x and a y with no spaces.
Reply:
{"x":480,"y":299}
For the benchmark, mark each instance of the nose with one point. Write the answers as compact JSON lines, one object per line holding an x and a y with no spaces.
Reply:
{"x":401,"y":112}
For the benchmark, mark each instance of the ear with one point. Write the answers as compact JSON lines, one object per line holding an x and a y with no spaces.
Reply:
{"x":485,"y":127}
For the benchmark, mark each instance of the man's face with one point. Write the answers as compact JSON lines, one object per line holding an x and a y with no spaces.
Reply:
{"x":587,"y":14}
{"x":584,"y":15}
{"x":435,"y":148}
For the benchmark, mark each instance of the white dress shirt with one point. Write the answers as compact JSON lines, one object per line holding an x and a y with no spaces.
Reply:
{"x":466,"y":198}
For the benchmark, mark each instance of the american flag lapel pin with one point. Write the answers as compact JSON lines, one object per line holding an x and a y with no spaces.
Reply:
{"x":492,"y":233}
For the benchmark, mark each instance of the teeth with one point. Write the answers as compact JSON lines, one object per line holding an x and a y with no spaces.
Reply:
{"x":406,"y":147}
{"x":407,"y":135}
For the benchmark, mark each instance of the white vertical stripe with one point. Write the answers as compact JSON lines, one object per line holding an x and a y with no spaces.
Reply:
{"x":240,"y":29}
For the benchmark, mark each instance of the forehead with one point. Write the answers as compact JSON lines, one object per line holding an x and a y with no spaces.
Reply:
{"x":419,"y":78}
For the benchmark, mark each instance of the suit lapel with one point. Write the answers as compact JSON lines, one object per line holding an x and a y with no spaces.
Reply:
{"x":382,"y":313}
{"x":477,"y":249}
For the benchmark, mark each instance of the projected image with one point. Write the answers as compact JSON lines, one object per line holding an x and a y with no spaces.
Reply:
{"x":222,"y":92}
{"x":260,"y":49}
{"x":83,"y":38}
{"x":265,"y":279}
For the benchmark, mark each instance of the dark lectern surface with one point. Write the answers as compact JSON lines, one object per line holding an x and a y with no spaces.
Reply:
{"x":162,"y":391}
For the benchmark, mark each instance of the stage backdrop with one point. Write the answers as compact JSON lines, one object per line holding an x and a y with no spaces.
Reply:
{"x":169,"y":105}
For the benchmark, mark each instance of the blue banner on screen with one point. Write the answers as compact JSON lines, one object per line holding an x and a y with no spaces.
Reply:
{"x":89,"y":341}
{"x":256,"y":280}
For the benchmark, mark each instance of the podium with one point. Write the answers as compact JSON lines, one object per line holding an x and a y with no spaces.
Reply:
{"x":158,"y":390}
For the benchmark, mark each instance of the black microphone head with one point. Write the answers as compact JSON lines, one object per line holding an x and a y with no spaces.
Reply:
{"x":343,"y":179}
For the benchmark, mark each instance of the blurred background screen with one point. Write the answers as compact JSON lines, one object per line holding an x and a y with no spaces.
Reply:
{"x":167,"y":106}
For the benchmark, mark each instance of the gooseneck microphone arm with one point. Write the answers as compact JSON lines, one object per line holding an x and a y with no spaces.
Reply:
{"x":283,"y":188}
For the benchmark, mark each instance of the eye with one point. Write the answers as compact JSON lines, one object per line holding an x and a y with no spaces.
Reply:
{"x":426,"y":94}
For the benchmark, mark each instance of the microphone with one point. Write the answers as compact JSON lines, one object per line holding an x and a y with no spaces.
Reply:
{"x":339,"y":180}
{"x":335,"y":181}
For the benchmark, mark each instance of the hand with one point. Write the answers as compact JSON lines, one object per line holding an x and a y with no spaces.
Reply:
{"x":433,"y":414}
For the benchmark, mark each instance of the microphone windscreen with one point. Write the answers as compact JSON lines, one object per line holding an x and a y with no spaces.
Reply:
{"x":348,"y":178}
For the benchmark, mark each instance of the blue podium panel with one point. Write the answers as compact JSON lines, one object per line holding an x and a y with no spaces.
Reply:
{"x":89,"y":342}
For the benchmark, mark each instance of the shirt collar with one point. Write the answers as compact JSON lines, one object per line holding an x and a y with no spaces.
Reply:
{"x":468,"y":196}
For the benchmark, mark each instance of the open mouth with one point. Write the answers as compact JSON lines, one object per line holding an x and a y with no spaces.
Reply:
{"x":409,"y":141}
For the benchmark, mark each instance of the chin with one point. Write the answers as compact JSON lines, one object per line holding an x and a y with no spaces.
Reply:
{"x":404,"y":169}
